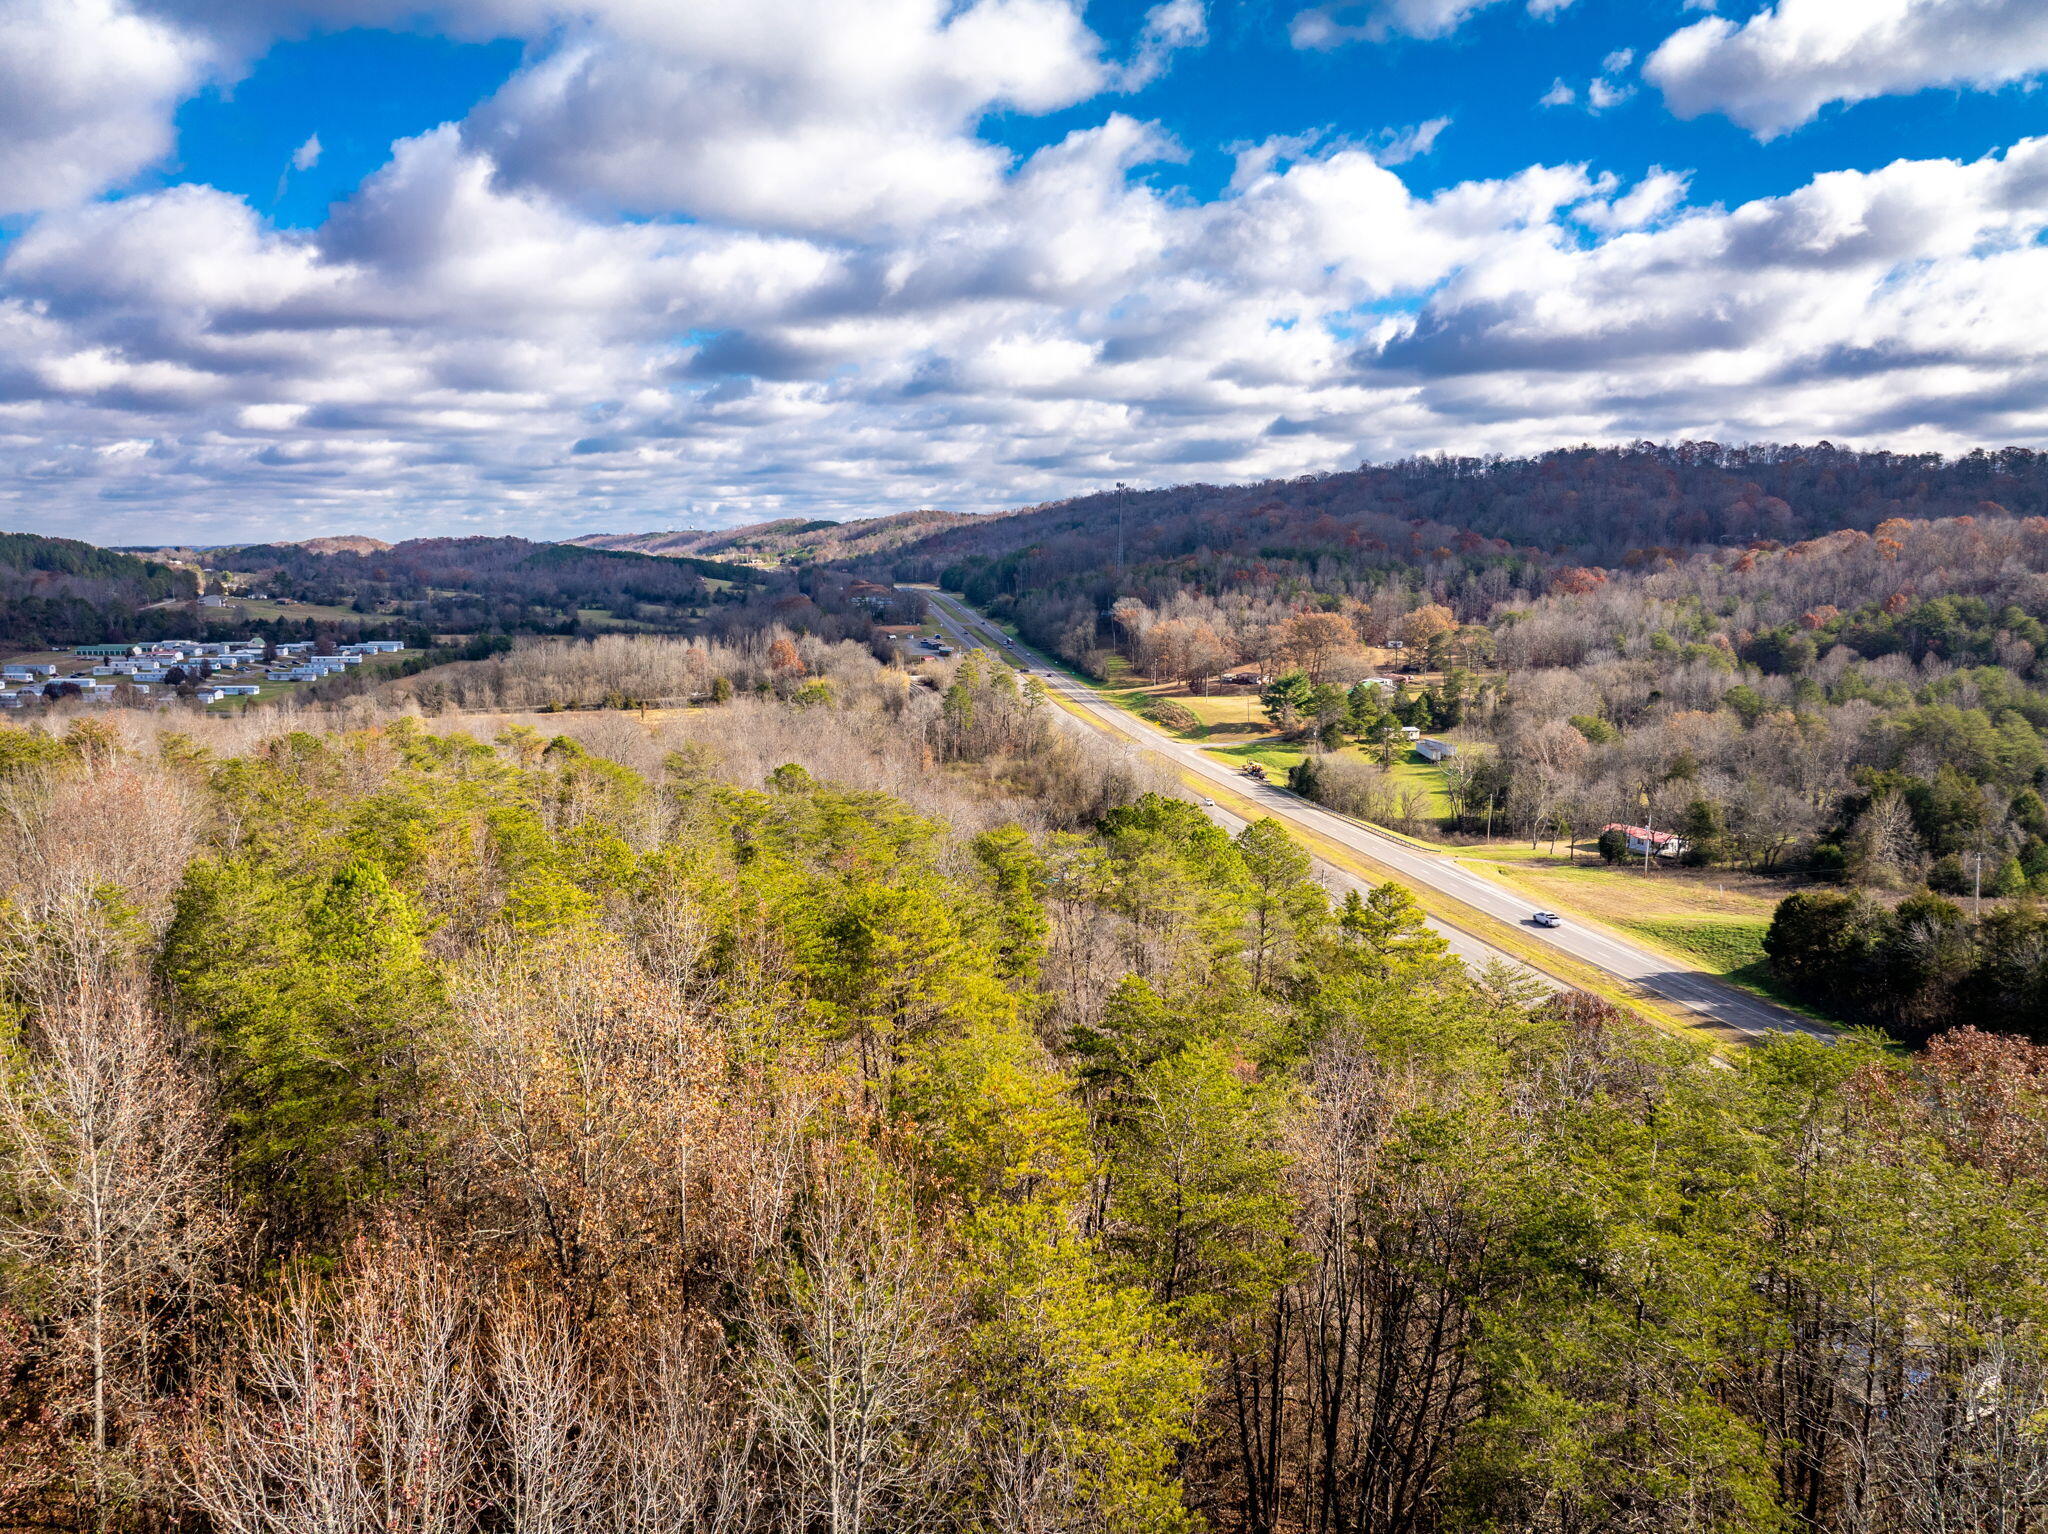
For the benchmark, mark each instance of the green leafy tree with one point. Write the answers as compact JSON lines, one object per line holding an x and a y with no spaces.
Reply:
{"x":322,"y":1009}
{"x":1288,"y":699}
{"x":1362,"y":708}
{"x":1137,"y":1028}
{"x":1386,"y":933}
{"x":998,"y":1119}
{"x":1305,"y":777}
{"x":1179,"y":881}
{"x":2010,"y":880}
{"x":1076,"y":1396}
{"x":891,"y":962}
{"x":1825,"y":944}
{"x":1451,"y":697}
{"x":1197,"y":1209}
{"x":1017,"y":872}
{"x":1926,"y":955}
{"x":1327,"y":706}
{"x":1287,"y":905}
{"x":1705,"y":832}
{"x":1746,"y":702}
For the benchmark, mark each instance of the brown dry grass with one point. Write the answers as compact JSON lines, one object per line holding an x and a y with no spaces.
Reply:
{"x":1625,"y":893}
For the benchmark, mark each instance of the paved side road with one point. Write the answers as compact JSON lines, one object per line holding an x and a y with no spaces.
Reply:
{"x":1695,"y":991}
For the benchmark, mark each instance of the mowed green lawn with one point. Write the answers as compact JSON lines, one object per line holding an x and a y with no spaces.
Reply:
{"x":1413,"y":771}
{"x":1238,"y":714}
{"x":302,"y":612}
{"x":1731,"y":947}
{"x":1409,"y":771}
{"x":1273,"y":755}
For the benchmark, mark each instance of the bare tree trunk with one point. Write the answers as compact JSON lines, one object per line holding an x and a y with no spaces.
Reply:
{"x":108,"y":1158}
{"x":354,"y":1409}
{"x":847,"y":1369}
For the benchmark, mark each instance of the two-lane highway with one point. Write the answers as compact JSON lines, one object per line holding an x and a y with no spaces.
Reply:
{"x":1691,"y":990}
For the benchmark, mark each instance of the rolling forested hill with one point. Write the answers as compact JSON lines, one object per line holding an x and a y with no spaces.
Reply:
{"x":1489,"y":524}
{"x":791,"y":540}
{"x":473,"y":583}
{"x":58,"y":591}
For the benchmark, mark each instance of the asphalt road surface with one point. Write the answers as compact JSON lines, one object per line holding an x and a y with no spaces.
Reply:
{"x":1691,"y":990}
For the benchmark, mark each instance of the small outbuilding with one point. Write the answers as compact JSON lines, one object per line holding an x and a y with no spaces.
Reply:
{"x":1641,"y":839}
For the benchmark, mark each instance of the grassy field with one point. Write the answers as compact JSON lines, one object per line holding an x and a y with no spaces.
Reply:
{"x":1270,"y":754}
{"x":1221,"y":714}
{"x":1730,"y":948}
{"x":63,"y":660}
{"x":602,"y":618}
{"x":1623,"y":892}
{"x":1713,"y":918}
{"x":298,"y":611}
{"x":1727,"y":946}
{"x":1508,"y":852}
{"x":1413,"y":771}
{"x":1218,"y":713}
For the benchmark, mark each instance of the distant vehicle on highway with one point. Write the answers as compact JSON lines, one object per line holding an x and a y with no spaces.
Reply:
{"x":1547,"y":919}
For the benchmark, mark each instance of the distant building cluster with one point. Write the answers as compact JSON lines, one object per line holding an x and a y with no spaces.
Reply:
{"x":155,"y":673}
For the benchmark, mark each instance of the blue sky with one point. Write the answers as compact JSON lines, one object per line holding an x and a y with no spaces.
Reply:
{"x":278,"y":269}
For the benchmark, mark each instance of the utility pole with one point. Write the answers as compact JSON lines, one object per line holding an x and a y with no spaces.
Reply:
{"x":1649,"y":827}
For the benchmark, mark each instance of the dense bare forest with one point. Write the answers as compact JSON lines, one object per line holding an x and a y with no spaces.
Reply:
{"x":807,"y":1111}
{"x":482,"y":584}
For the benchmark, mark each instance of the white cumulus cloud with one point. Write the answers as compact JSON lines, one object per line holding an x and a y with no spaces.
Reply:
{"x":1778,"y":69}
{"x":1339,"y":22}
{"x":801,"y":114}
{"x":87,"y":88}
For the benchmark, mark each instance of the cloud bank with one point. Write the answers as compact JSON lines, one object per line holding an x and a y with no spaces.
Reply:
{"x":834,"y":296}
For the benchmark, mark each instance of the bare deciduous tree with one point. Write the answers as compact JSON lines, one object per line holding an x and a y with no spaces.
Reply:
{"x":108,"y":1165}
{"x":847,"y":1368}
{"x":351,"y":1406}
